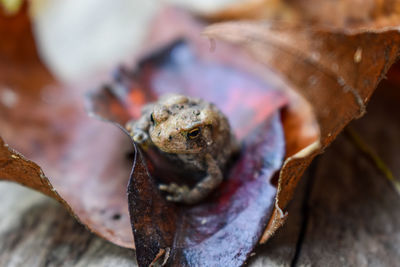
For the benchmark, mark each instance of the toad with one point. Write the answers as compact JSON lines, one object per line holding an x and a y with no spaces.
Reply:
{"x":193,"y":131}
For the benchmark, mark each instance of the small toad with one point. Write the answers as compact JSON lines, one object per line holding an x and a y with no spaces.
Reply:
{"x":193,"y":131}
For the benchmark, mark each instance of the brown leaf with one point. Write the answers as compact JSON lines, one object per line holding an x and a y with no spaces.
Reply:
{"x":14,"y":166}
{"x":336,"y":72}
{"x":53,"y":130}
{"x":343,"y":15}
{"x":154,"y":220}
{"x":18,"y":52}
{"x":349,"y":14}
{"x":84,"y":160}
{"x":225,"y":228}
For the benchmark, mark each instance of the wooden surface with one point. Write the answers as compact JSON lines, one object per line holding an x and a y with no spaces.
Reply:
{"x":345,"y":213}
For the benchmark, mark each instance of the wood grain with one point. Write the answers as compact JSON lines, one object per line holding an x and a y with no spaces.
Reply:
{"x":353,"y":215}
{"x":38,"y":231}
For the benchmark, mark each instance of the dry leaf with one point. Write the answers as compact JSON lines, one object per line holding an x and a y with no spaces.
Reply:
{"x":335,"y":71}
{"x":84,"y":161}
{"x":239,"y":209}
{"x":345,"y":15}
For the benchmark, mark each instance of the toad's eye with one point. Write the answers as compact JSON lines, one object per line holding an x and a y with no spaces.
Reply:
{"x":194,"y":133}
{"x":152,"y":118}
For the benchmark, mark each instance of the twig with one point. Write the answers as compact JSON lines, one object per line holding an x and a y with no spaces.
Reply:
{"x":372,"y":155}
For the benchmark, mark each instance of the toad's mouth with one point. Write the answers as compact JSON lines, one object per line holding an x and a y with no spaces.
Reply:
{"x":183,"y":150}
{"x":189,"y":147}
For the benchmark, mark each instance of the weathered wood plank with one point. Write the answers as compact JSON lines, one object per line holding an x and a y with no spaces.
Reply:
{"x":354,"y":215}
{"x":37,"y":231}
{"x":280,"y":250}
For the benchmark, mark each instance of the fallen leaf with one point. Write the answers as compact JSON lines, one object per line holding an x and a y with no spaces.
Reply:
{"x":336,"y":72}
{"x":343,"y":15}
{"x":224,"y":229}
{"x":84,"y":162}
{"x":154,"y":220}
{"x":239,"y":210}
{"x":54,"y":131}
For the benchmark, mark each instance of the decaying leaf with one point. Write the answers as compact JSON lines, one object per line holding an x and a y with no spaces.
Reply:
{"x":225,"y":228}
{"x":84,"y":162}
{"x":18,"y":52}
{"x":222,"y":230}
{"x":346,"y":15}
{"x":336,"y":71}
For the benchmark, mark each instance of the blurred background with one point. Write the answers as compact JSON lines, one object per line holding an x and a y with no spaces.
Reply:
{"x":80,"y":37}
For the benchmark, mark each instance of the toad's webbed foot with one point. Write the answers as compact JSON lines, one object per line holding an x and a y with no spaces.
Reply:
{"x":200,"y":191}
{"x":177,"y":193}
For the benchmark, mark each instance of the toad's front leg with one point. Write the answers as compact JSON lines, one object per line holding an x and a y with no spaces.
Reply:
{"x":201,"y":190}
{"x":138,"y":129}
